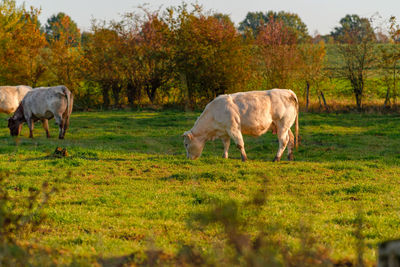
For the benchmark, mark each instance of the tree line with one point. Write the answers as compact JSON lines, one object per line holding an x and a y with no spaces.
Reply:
{"x":185,"y":55}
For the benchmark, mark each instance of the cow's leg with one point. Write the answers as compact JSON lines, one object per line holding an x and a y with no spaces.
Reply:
{"x":61,"y":123}
{"x":31,"y":124}
{"x":283,"y":137}
{"x":290,"y":145}
{"x":226,"y":141}
{"x":46,"y":127}
{"x":237,"y":137}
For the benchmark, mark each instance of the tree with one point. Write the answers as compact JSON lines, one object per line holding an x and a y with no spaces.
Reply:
{"x":10,"y":18}
{"x":355,"y":39}
{"x":21,"y":45}
{"x":132,"y":72}
{"x":208,"y":54}
{"x":311,"y":66}
{"x":254,"y":21}
{"x":153,"y":46}
{"x":146,"y":60}
{"x":388,"y":61}
{"x":62,"y":24}
{"x":102,"y":62}
{"x":277,"y":54}
{"x":64,"y":56}
{"x":354,"y":30}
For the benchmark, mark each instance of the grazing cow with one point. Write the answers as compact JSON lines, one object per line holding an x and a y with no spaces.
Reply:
{"x":253,"y":113}
{"x":43,"y":104}
{"x":11,"y":96}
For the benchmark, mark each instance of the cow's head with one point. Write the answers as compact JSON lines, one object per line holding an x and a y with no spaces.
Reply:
{"x":193,"y":145}
{"x":15,"y":126}
{"x":16,"y":121}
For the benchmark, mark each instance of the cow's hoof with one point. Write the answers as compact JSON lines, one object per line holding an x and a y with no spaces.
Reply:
{"x":290,"y":157}
{"x":244,"y":158}
{"x":276,"y":159}
{"x":61,"y":137}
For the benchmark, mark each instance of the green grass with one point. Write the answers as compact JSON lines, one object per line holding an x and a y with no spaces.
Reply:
{"x":126,"y":184}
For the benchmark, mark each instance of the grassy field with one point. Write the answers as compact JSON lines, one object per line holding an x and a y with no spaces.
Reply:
{"x":126,"y":185}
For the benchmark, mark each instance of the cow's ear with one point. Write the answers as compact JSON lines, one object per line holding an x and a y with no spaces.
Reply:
{"x":188,"y":134}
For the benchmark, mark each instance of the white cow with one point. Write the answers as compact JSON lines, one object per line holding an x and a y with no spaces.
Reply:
{"x":43,"y":104}
{"x":11,"y":96}
{"x":252,"y":113}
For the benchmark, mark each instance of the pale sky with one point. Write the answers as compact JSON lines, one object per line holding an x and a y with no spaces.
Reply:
{"x":318,"y":15}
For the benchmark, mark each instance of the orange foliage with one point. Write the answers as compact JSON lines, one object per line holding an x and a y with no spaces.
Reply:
{"x":21,"y":61}
{"x":209,"y":54}
{"x":63,"y":58}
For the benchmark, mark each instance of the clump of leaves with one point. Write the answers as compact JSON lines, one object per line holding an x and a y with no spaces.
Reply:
{"x":18,"y":216}
{"x":60,"y":152}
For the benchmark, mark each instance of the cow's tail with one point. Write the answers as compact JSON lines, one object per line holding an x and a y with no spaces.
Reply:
{"x":70,"y":102}
{"x":296,"y":137}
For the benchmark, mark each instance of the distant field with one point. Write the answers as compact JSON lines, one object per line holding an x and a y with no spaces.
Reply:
{"x":127,"y":186}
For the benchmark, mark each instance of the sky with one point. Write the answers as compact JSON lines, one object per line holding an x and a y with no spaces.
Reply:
{"x":318,"y":15}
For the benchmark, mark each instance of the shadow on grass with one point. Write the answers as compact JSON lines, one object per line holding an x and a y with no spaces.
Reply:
{"x":116,"y":261}
{"x":74,"y":157}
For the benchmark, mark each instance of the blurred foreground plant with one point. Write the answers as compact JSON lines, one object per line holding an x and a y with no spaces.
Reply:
{"x":19,"y":215}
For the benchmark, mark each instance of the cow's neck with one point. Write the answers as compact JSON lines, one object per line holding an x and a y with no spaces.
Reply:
{"x":202,"y":129}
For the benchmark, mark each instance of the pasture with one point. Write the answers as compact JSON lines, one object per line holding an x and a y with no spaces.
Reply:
{"x":126,"y":185}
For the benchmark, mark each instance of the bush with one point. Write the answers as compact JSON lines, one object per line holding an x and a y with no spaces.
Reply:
{"x":20,"y":215}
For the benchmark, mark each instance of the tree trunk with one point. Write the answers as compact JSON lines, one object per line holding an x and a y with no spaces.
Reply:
{"x":323,"y":99}
{"x":116,"y":89}
{"x":134,"y":93}
{"x":151,"y":93}
{"x":151,"y":88}
{"x":130,"y":93}
{"x":319,"y":100}
{"x":106,"y":97}
{"x":307,"y":95}
{"x":358,"y":100}
{"x":394,"y":86}
{"x":387,"y":99}
{"x":185,"y":90}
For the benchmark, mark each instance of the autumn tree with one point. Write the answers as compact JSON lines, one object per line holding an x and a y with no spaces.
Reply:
{"x":255,"y":21}
{"x":102,"y":62}
{"x":355,"y":38}
{"x":388,"y":61}
{"x":354,"y":29}
{"x":10,"y":20}
{"x":208,"y":54}
{"x":21,"y":45}
{"x":278,"y":54}
{"x":131,"y":68}
{"x":61,"y":26}
{"x":311,"y":66}
{"x":155,"y":52}
{"x":63,"y":56}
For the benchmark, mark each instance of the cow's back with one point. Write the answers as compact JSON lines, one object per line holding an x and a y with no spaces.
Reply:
{"x":11,"y":97}
{"x":43,"y":102}
{"x":22,"y":90}
{"x":258,"y":109}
